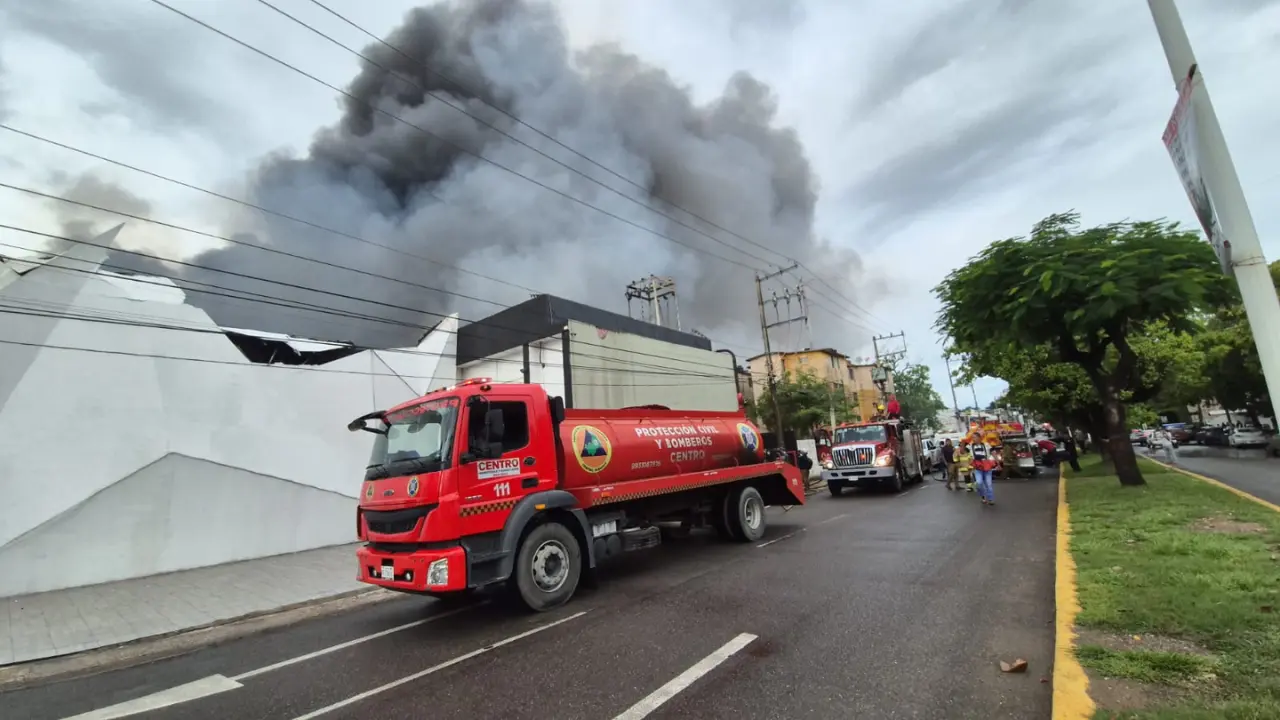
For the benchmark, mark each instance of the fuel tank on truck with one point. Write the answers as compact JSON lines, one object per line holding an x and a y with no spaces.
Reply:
{"x":617,"y":446}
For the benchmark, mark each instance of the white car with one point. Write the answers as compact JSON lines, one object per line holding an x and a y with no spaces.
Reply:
{"x":1246,"y":437}
{"x":932,"y":453}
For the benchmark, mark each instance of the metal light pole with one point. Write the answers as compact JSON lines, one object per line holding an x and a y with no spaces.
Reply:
{"x":1247,"y":261}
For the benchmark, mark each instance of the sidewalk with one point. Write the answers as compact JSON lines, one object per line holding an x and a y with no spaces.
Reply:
{"x":44,"y":625}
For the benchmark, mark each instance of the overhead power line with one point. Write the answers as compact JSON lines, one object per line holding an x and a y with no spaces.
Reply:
{"x":546,"y":136}
{"x":277,"y":301}
{"x":294,"y":219}
{"x":489,"y":161}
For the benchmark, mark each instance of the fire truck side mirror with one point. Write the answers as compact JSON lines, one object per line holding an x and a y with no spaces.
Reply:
{"x":494,"y":426}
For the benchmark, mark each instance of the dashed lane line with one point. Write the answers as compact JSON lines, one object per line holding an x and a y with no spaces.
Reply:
{"x":436,"y":668}
{"x":215,"y":684}
{"x":681,"y":682}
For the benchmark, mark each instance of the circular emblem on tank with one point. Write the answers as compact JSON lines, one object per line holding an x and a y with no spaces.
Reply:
{"x":592,"y":448}
{"x":413,"y":486}
{"x":750,"y":438}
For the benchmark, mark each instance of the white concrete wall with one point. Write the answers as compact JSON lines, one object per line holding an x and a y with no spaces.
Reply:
{"x":616,"y":370}
{"x":546,"y":366}
{"x":116,"y":464}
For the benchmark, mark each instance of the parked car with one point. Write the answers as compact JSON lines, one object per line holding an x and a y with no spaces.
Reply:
{"x":932,"y":452}
{"x":1138,"y":436}
{"x":1182,"y":435}
{"x":1273,"y":446}
{"x":1215,"y":435}
{"x":1247,"y":437}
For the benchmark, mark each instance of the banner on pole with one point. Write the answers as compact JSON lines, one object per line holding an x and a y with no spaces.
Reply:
{"x":1183,"y":145}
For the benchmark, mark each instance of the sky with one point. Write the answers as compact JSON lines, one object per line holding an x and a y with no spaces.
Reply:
{"x":880,"y":143}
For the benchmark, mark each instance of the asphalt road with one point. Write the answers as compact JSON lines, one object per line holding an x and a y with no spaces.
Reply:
{"x":864,"y":606}
{"x":1249,"y":470}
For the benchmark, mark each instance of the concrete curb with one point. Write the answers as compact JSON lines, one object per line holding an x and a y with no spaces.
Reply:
{"x":1218,"y":483}
{"x":1071,"y":699}
{"x":166,"y":645}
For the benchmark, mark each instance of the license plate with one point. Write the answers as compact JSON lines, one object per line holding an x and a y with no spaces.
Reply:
{"x":388,"y":572}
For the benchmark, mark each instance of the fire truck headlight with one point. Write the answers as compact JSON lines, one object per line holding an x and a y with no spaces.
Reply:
{"x":885,"y":459}
{"x":828,"y":464}
{"x":438,"y":572}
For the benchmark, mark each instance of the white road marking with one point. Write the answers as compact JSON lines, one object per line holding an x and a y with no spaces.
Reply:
{"x":435,"y":668}
{"x":349,"y":643}
{"x":832,"y":519}
{"x":682,"y":681}
{"x":215,"y":684}
{"x":202,"y":688}
{"x":780,"y":539}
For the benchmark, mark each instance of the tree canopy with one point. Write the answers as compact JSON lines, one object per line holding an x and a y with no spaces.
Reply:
{"x":1082,"y":297}
{"x":806,"y":402}
{"x":919,"y":402}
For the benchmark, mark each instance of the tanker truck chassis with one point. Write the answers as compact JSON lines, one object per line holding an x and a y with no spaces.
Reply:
{"x":483,"y":485}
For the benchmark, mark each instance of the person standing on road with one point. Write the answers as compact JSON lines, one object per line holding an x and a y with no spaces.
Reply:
{"x":953,"y":469}
{"x":1163,"y":439}
{"x":964,"y":466}
{"x":983,"y":467}
{"x":1069,"y":447}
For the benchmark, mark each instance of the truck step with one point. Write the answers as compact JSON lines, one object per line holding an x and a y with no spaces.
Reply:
{"x":641,"y":538}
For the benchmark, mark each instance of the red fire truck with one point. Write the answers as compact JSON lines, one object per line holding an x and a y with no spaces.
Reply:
{"x":883,"y":452}
{"x":486,"y":483}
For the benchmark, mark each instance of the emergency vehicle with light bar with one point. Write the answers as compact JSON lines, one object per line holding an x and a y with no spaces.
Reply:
{"x":490,"y":483}
{"x":883,"y":453}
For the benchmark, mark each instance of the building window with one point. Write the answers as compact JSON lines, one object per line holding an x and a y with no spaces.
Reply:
{"x":804,"y":359}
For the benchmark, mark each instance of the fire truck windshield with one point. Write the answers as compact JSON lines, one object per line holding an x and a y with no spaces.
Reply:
{"x":417,"y":439}
{"x":860,"y":433}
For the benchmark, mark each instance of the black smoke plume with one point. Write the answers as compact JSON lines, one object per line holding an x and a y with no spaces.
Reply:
{"x":427,"y":194}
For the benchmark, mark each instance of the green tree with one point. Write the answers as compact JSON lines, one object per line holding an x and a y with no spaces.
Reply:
{"x":917,"y":400}
{"x":806,"y":402}
{"x":1232,"y":368}
{"x":1084,"y":293}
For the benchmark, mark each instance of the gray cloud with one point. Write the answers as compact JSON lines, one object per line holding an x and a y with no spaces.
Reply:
{"x":137,"y":54}
{"x":79,"y":223}
{"x":374,"y":177}
{"x":1041,"y":106}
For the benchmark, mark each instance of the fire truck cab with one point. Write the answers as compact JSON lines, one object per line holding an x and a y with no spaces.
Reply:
{"x":884,"y":453}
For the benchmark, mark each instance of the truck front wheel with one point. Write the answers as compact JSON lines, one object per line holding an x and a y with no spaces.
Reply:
{"x":548,"y":567}
{"x":746,"y":514}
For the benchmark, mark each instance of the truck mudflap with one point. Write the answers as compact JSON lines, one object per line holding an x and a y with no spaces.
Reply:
{"x":436,"y":570}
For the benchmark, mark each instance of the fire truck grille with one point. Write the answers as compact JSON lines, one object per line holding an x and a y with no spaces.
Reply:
{"x":848,"y":457}
{"x":395,"y":522}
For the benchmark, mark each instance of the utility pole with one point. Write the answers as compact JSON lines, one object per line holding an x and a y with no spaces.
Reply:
{"x":651,"y":292}
{"x":768,"y":351}
{"x":886,"y":358}
{"x":955,"y":404}
{"x":1240,"y":251}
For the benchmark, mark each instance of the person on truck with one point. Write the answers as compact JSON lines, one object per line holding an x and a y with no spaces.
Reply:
{"x":894,"y":410}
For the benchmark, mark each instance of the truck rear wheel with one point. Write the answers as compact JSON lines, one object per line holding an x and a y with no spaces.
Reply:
{"x":746,"y":514}
{"x":548,"y":567}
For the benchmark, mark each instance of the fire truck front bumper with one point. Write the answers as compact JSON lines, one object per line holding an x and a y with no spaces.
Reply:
{"x":432,"y":571}
{"x":858,"y":476}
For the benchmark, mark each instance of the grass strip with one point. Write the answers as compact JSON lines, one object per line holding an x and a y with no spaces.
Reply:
{"x":1182,"y":580}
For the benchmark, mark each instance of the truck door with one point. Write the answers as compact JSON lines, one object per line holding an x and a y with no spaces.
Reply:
{"x":513,"y":457}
